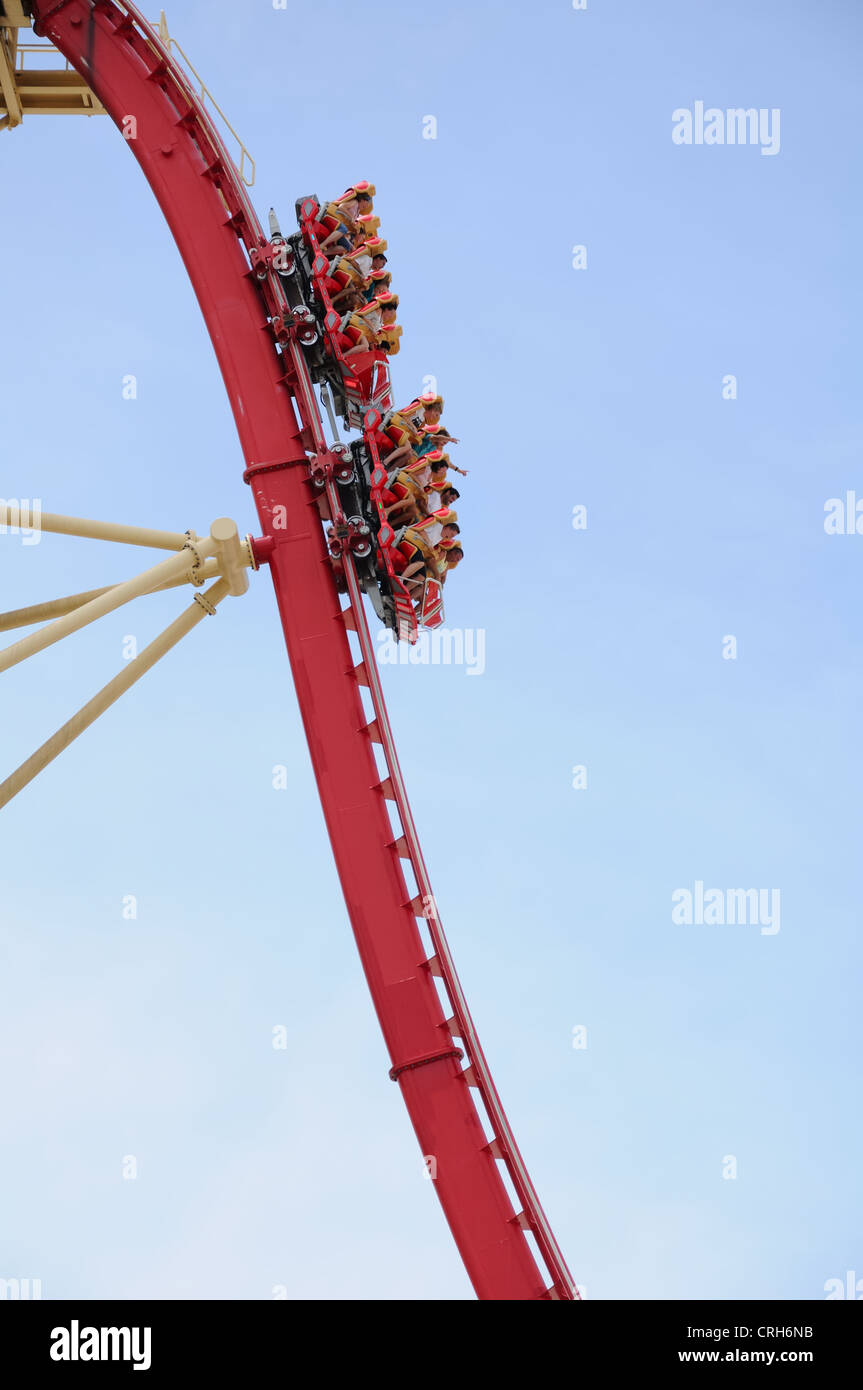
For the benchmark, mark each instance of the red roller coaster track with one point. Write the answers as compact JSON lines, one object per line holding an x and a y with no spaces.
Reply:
{"x":205,"y":204}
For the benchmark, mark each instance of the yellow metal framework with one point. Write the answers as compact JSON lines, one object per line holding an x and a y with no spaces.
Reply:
{"x":54,"y":88}
{"x":51,"y":89}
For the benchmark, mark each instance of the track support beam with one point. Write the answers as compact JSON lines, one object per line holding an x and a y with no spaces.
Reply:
{"x":203,"y":605}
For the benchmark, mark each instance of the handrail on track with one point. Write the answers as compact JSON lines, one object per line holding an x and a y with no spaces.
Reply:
{"x":160,"y":25}
{"x":46,"y":52}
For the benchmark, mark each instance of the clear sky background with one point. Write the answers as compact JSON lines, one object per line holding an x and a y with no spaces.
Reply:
{"x":603,"y":387}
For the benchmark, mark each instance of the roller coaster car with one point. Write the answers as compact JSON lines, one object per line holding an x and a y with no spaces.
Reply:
{"x":358,"y":529}
{"x":388,"y":595}
{"x":355,"y":385}
{"x":429,"y":611}
{"x":299,"y":286}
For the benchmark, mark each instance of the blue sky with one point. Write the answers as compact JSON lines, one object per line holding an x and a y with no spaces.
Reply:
{"x":601,"y":387}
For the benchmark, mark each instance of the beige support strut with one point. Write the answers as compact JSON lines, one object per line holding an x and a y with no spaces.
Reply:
{"x":10,"y":515}
{"x":204,"y":603}
{"x":57,"y":607}
{"x":232,"y":558}
{"x":105,"y":603}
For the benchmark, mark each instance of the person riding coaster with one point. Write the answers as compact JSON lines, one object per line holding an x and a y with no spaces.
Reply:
{"x":420,"y":471}
{"x":377,"y":281}
{"x":449,"y":496}
{"x":366,"y":226}
{"x":394,"y":439}
{"x":334,"y":224}
{"x":439,"y":528}
{"x":389,"y":339}
{"x":340,"y":277}
{"x":450,"y":558}
{"x":425,"y":413}
{"x":377,"y":309}
{"x":349,"y":271}
{"x":405,"y":510}
{"x":357,"y":200}
{"x":333,"y":231}
{"x":356,"y":332}
{"x":403,"y":498}
{"x":424,"y":410}
{"x":354,"y":335}
{"x":433,"y":437}
{"x":365,"y":251}
{"x":413,"y":560}
{"x":439,"y":462}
